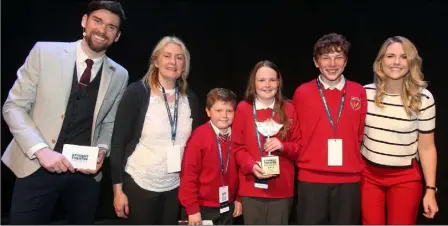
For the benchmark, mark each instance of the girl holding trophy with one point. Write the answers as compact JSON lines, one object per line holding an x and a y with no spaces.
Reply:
{"x":265,"y":142}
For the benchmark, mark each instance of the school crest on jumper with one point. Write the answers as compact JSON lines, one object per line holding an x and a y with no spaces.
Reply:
{"x":355,"y":103}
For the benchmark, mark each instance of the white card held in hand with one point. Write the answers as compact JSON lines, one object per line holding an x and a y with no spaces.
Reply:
{"x":173,"y":158}
{"x":81,"y":157}
{"x":335,"y":152}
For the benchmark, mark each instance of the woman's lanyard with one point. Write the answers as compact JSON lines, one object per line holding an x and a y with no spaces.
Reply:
{"x":173,"y":122}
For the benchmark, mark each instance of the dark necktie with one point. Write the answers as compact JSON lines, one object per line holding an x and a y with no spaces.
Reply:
{"x":85,"y":77}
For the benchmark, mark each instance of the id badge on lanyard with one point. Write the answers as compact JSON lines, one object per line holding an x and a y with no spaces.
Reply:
{"x":223,"y":189}
{"x":335,"y":153}
{"x":173,"y":153}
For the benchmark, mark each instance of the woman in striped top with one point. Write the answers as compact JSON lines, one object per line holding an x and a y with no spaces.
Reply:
{"x":398,"y":138}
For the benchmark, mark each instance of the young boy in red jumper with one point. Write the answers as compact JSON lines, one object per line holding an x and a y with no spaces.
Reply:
{"x":209,"y":177}
{"x":331,"y":112}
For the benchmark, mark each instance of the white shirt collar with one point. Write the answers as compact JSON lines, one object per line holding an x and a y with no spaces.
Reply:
{"x":218,"y":132}
{"x":261,"y":106}
{"x":82,"y":57}
{"x":338,"y":86}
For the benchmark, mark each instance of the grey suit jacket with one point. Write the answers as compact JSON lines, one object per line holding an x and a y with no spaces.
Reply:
{"x":36,"y":104}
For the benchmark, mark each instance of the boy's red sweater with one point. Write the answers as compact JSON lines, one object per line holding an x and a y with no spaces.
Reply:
{"x":200,"y":176}
{"x":316,"y":130}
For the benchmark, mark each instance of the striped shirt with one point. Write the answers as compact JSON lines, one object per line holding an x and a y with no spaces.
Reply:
{"x":390,"y":135}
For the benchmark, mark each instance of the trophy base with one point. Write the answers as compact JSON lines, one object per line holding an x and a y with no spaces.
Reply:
{"x":270,"y":165}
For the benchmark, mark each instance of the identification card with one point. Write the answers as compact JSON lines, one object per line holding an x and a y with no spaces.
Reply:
{"x":335,"y":152}
{"x":173,"y":157}
{"x":224,"y":199}
{"x":261,"y":183}
{"x":270,"y":165}
{"x":81,"y":157}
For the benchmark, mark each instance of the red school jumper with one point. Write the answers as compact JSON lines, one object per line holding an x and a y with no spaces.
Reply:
{"x":316,"y":129}
{"x":247,"y":153}
{"x":200,"y":176}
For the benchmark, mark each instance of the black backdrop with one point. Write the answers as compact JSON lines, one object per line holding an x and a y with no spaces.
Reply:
{"x":226,"y":38}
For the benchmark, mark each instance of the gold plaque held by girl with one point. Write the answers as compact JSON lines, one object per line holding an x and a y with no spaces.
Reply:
{"x":270,"y":165}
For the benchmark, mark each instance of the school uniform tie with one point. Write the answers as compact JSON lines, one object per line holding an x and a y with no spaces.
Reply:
{"x":224,"y":137}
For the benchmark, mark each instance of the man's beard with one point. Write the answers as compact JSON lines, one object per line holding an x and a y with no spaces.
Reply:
{"x":92,"y":45}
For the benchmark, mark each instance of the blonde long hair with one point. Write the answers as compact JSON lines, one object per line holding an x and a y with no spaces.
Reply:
{"x":413,"y":82}
{"x":152,"y":76}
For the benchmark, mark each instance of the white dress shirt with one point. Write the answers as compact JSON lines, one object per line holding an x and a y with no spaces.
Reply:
{"x":81,"y":64}
{"x":261,"y":106}
{"x":339,"y":85}
{"x":147,"y":165}
{"x":218,"y":131}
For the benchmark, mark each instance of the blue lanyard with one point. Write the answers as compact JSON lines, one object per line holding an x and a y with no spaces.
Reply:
{"x":173,"y":122}
{"x":221,"y":161}
{"x":254,"y":112}
{"x":327,"y":110}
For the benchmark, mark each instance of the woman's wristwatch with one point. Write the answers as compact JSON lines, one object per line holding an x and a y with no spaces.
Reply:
{"x":432,"y":188}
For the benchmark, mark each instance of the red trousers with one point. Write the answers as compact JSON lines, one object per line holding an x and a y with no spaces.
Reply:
{"x":390,"y":195}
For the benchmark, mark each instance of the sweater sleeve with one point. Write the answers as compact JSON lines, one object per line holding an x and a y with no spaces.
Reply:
{"x":363,"y":117}
{"x":426,"y":120}
{"x":189,"y":175}
{"x":121,"y":135}
{"x":292,"y":146}
{"x":296,"y":101}
{"x":239,"y":146}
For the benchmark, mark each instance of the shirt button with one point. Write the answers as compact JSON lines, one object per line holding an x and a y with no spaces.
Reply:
{"x":62,"y":116}
{"x":53,"y":141}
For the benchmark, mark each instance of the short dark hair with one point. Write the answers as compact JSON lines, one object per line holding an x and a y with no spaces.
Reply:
{"x":332,"y":42}
{"x":220,"y":94}
{"x":112,"y":6}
